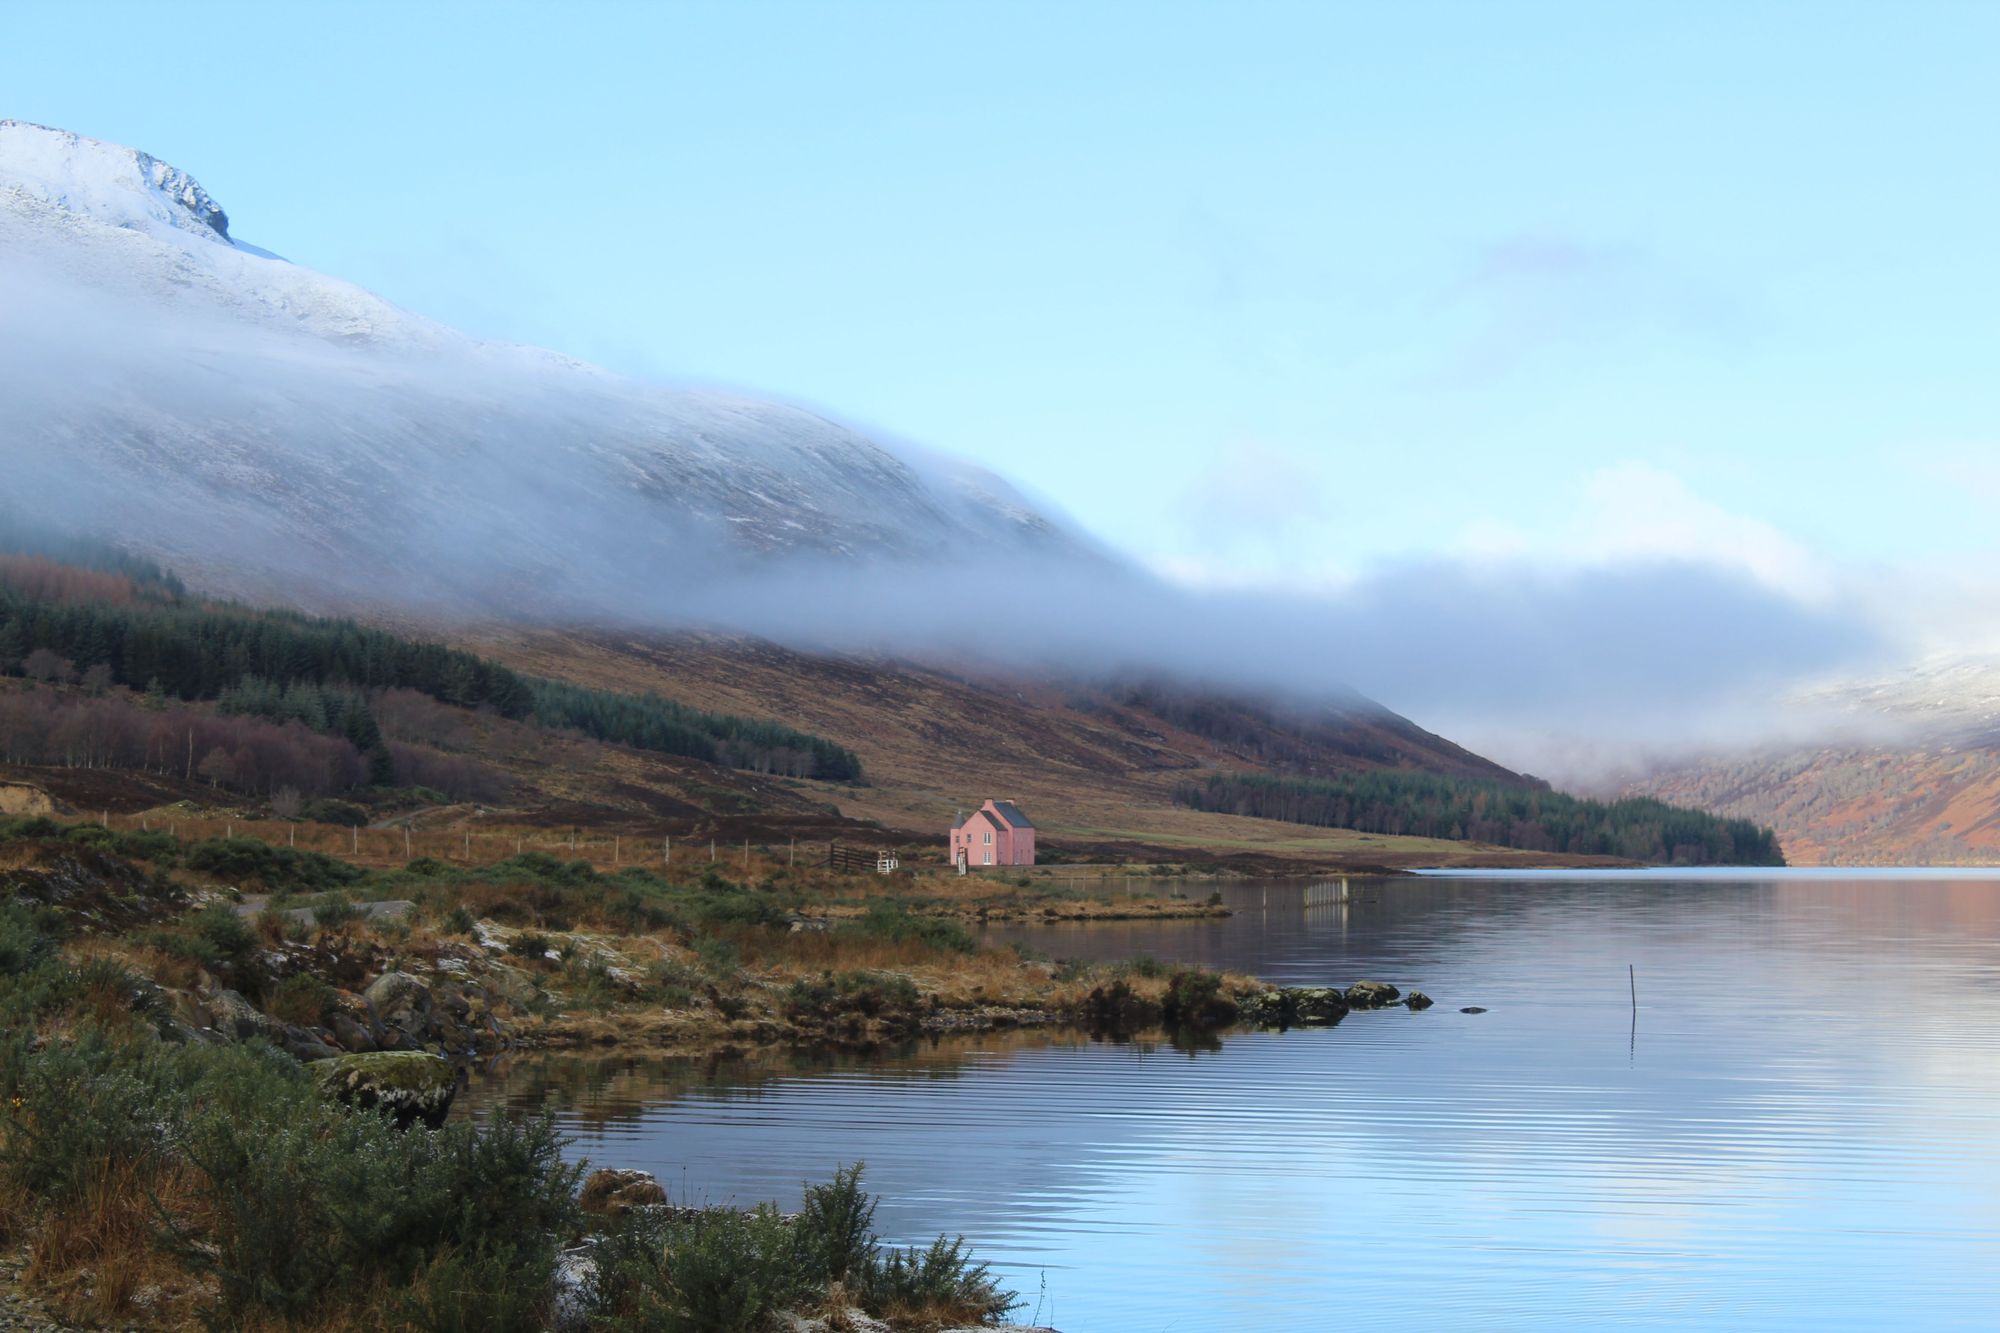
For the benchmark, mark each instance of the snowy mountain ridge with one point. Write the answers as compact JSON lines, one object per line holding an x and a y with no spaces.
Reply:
{"x":109,"y":182}
{"x":273,"y":430}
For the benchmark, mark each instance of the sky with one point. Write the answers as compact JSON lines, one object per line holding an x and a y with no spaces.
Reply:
{"x":1307,"y":297}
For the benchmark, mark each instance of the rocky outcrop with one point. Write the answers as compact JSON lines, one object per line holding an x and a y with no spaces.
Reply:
{"x":1371,"y":995}
{"x":609,"y":1192}
{"x":1296,"y":1006}
{"x":234,"y":1017}
{"x":1419,"y":1001}
{"x":406,"y":1085}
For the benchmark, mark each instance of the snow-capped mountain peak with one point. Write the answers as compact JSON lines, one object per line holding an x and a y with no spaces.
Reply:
{"x":108,"y":182}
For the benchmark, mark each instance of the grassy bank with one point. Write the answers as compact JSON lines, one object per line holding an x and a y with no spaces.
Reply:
{"x":167,"y":1159}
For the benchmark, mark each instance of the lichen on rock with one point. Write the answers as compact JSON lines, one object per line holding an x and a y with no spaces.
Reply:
{"x":406,"y":1085}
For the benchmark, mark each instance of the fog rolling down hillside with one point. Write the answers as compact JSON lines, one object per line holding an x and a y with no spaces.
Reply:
{"x":274,"y":431}
{"x":285,"y":437}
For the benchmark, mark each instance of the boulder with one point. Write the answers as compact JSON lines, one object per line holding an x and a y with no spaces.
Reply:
{"x":351,"y":1034}
{"x":401,"y":1000}
{"x":1419,"y":1001}
{"x":575,"y":1290}
{"x":306,"y":1045}
{"x":608,"y":1192}
{"x":235,"y":1017}
{"x":406,"y":1085}
{"x":1371,"y":995}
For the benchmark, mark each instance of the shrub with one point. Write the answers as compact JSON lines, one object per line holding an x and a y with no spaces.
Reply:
{"x":530,"y":944}
{"x":1194,"y":998}
{"x":24,"y":945}
{"x":303,"y":999}
{"x":865,"y":994}
{"x":720,"y":1271}
{"x":939,"y":1284}
{"x":276,"y":868}
{"x":835,"y":1228}
{"x":720,"y":957}
{"x":336,"y":911}
{"x":893,"y":922}
{"x":459,"y":921}
{"x":225,"y":937}
{"x":330,"y":811}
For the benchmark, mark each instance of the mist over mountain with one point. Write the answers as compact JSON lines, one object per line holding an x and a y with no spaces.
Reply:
{"x":276,"y":431}
{"x":280,"y":435}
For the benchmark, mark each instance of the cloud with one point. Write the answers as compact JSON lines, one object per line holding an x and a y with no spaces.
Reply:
{"x":1519,"y":297}
{"x":1635,"y":513}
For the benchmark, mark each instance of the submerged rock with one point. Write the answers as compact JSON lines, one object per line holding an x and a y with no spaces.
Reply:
{"x":1472,"y":1009}
{"x":609,"y":1192}
{"x":1371,"y":995}
{"x":1419,"y":1001}
{"x":406,"y":1085}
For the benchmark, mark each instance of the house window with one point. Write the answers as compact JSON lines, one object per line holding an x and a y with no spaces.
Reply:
{"x":989,"y":837}
{"x":989,"y":858}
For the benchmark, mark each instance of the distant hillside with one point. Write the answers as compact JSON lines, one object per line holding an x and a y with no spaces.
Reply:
{"x":1915,"y":782}
{"x":1095,"y":765}
{"x":1926,"y":805}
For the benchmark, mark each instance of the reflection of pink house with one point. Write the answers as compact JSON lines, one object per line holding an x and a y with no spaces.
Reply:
{"x":996,"y":834}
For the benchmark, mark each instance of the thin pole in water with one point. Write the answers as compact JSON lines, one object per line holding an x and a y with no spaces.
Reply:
{"x":1632,"y":975}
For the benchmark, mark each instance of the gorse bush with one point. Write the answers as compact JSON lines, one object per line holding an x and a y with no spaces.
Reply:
{"x":853,"y":994}
{"x":895,"y":923}
{"x":938,"y":1284}
{"x":278,"y":869}
{"x":727,"y":1270}
{"x":304,"y":1205}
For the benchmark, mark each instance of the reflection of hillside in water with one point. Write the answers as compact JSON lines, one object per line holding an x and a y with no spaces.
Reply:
{"x":600,"y":1089}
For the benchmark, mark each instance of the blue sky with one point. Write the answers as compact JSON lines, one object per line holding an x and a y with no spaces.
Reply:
{"x":1261,"y":293}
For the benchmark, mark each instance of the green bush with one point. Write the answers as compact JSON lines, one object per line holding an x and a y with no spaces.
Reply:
{"x":224,"y":941}
{"x":1194,"y":998}
{"x":730,"y":1270}
{"x":530,"y":944}
{"x":24,"y":945}
{"x":278,"y":869}
{"x":894,"y":922}
{"x":326,"y":810}
{"x":336,"y":911}
{"x":940,"y":1280}
{"x":303,"y":999}
{"x":835,"y":1228}
{"x":720,"y":957}
{"x":866,"y":994}
{"x":721,"y":1271}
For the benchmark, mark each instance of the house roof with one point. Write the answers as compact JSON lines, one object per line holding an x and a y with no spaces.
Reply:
{"x":1011,"y":814}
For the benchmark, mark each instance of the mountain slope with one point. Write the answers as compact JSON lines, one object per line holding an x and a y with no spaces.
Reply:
{"x":336,"y":447}
{"x":1909,"y":774}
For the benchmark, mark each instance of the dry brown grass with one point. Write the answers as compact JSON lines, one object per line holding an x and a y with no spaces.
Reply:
{"x":101,"y":1259}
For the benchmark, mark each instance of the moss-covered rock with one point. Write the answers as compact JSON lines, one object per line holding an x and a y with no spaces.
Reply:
{"x":405,"y":1085}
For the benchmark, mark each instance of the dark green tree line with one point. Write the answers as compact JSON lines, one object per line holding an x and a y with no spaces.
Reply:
{"x":1431,"y":805}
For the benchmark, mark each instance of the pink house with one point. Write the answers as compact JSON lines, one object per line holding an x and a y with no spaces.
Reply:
{"x":996,"y":834}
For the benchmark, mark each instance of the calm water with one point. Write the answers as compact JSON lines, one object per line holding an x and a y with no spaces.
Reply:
{"x":1801,"y":1128}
